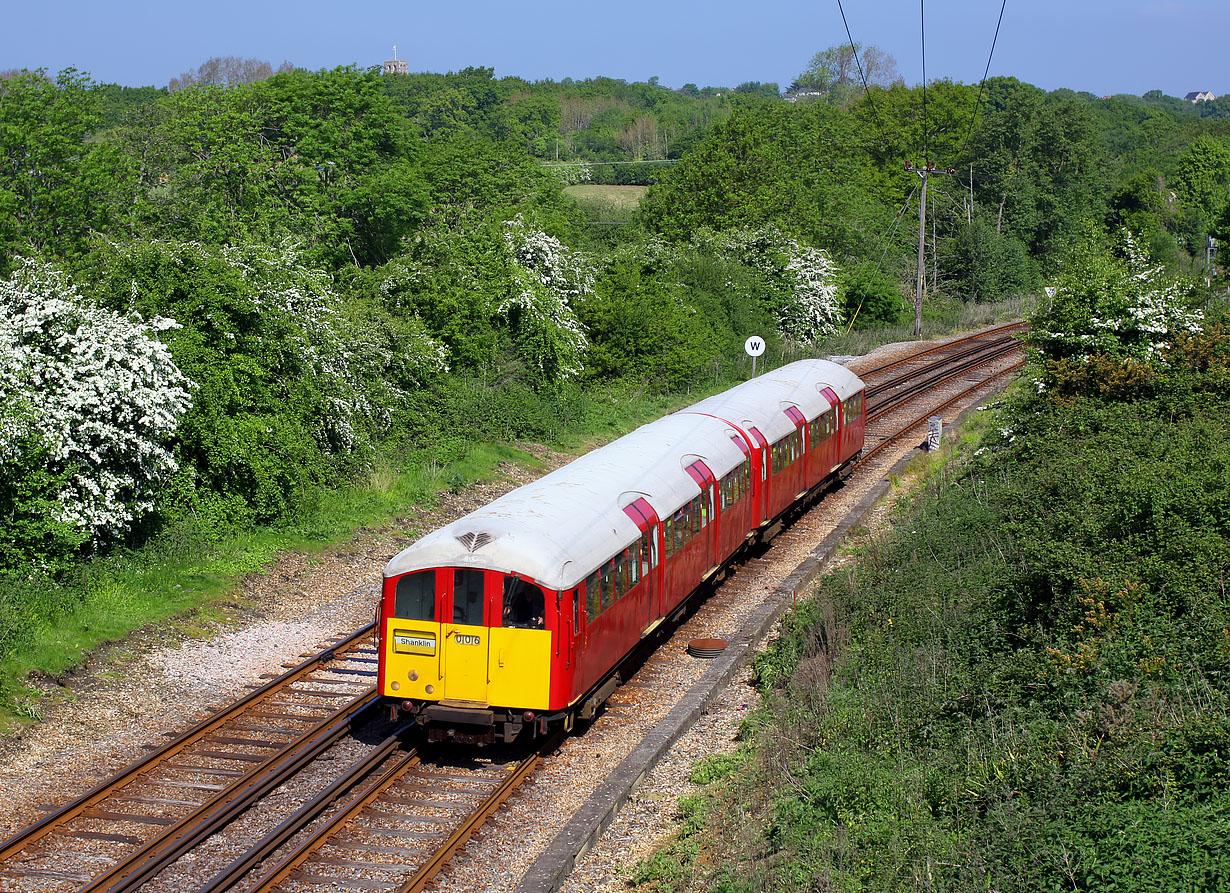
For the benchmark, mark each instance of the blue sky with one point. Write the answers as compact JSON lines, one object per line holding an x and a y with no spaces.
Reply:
{"x":1094,"y":45}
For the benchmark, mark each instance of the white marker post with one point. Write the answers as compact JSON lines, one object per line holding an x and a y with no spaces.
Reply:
{"x":935,"y":431}
{"x":754,"y":347}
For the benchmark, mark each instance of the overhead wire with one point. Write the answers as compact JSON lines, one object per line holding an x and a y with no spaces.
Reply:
{"x":978,"y":102}
{"x":862,"y":77}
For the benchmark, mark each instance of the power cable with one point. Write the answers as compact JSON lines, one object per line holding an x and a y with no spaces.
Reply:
{"x":866,"y":89}
{"x":978,"y":102}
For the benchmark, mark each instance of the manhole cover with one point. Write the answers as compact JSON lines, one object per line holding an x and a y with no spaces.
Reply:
{"x":707,"y":648}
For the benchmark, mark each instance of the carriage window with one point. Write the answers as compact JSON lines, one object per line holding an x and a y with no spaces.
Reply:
{"x":668,"y":530}
{"x":415,"y":596}
{"x":468,"y":597}
{"x":617,"y":576}
{"x":696,"y":518}
{"x":681,"y":527}
{"x":625,"y":573}
{"x":645,"y":550}
{"x":634,"y":561}
{"x":524,"y":605}
{"x":608,"y":586}
{"x":593,"y":598}
{"x":576,"y":612}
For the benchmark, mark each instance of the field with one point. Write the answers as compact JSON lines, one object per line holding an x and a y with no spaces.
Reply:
{"x":624,"y":198}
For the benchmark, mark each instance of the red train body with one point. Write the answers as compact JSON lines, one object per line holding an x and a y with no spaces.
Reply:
{"x":515,"y":617}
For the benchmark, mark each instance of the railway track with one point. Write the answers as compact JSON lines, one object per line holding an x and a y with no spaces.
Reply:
{"x":392,"y":817}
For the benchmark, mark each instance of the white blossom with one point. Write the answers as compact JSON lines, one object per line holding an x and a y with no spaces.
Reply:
{"x":548,"y":279}
{"x":808,"y":275}
{"x":97,"y":388}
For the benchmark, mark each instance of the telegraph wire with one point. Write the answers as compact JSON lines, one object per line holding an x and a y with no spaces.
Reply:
{"x":866,"y":89}
{"x":978,"y":102}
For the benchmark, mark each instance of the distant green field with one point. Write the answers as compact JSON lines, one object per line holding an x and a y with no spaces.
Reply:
{"x":623,"y":197}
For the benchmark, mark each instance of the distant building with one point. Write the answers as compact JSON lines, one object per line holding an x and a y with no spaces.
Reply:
{"x":1200,"y":96}
{"x":804,"y":94}
{"x":395,"y":65}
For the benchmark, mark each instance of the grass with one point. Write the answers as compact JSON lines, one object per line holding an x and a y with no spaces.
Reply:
{"x":626,"y":198}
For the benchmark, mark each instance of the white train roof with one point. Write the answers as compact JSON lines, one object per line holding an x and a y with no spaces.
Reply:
{"x":561,"y":527}
{"x":762,"y":401}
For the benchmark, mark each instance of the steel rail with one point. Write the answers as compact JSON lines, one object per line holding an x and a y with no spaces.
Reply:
{"x":906,"y":429}
{"x":478,"y":818}
{"x":935,"y":376}
{"x":996,"y":330}
{"x":309,"y":812}
{"x":224,"y":807}
{"x":109,"y":786}
{"x":972,"y":350}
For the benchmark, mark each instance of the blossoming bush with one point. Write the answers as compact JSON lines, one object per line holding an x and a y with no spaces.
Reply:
{"x":547,"y":280}
{"x":1125,"y":308}
{"x":295,"y":383}
{"x":807,"y":278}
{"x":89,"y":400}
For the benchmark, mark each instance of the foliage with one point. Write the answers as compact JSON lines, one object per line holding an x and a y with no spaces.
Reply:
{"x":547,"y":281}
{"x":55,"y":185}
{"x":870,"y":299}
{"x":748,"y":173}
{"x":1126,"y":308}
{"x":89,"y":400}
{"x":290,"y":386}
{"x":987,"y":265}
{"x":805,"y":278}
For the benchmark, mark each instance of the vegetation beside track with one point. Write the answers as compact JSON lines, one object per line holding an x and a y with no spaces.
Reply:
{"x":1025,"y":683}
{"x":188,"y":573}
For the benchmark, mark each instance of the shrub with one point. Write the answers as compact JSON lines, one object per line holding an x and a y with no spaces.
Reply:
{"x":89,"y":400}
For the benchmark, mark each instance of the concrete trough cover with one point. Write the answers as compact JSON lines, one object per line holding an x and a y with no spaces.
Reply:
{"x":707,"y":648}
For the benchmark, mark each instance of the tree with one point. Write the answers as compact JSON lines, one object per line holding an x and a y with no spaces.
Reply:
{"x":55,"y":184}
{"x":224,"y":71}
{"x":835,"y":72}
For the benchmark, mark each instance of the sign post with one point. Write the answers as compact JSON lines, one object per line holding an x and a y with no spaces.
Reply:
{"x":935,"y":431}
{"x":754,"y":347}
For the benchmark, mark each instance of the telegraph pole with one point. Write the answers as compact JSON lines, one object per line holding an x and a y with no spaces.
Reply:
{"x":924,"y":171}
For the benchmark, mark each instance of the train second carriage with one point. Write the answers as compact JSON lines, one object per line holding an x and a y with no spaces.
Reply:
{"x":514,"y":618}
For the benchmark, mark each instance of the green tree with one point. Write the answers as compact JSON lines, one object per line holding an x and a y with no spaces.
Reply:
{"x":55,"y":185}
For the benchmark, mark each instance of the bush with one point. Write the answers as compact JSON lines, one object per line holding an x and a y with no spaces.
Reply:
{"x":89,"y":401}
{"x":986,"y":265}
{"x":870,"y":299}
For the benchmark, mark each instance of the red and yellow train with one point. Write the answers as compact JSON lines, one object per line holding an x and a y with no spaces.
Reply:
{"x":515,"y":617}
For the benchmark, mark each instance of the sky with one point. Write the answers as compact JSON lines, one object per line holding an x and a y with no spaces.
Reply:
{"x":1098,"y":46}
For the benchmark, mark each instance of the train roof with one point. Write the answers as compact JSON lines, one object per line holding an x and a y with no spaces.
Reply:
{"x":558,"y":529}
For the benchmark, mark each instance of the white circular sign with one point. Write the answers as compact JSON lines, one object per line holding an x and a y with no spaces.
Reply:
{"x":754,"y":346}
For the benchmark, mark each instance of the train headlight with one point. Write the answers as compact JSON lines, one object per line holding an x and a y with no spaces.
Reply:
{"x":414,"y":674}
{"x":395,"y":685}
{"x":431,"y":689}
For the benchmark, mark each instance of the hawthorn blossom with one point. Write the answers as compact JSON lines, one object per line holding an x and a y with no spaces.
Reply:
{"x":807,"y":275}
{"x":97,"y":388}
{"x":547,"y":279}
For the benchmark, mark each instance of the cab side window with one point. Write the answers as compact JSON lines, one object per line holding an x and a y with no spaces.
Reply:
{"x":415,"y":596}
{"x":524,"y":605}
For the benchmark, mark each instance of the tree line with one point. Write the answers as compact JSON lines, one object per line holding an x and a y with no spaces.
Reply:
{"x":340,"y":263}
